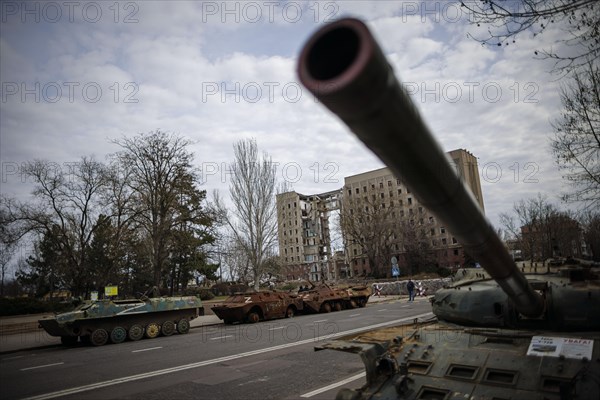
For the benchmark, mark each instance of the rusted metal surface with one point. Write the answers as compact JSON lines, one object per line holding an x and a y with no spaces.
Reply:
{"x":324,"y":298}
{"x":107,"y":320}
{"x":258,"y":306}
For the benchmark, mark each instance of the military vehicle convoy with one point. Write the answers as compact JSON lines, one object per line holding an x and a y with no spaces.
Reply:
{"x":498,"y":334}
{"x":259,"y":306}
{"x":102,"y":321}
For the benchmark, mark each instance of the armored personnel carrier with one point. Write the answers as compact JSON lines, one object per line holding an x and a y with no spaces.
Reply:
{"x":258,"y":306}
{"x":498,"y":334}
{"x":117,"y":320}
{"x":325,"y":298}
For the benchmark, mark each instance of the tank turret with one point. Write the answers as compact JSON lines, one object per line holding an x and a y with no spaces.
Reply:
{"x":504,"y":334}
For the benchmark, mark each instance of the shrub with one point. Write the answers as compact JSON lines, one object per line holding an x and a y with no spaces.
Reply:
{"x":202,"y":293}
{"x":227,"y":289}
{"x":26,"y":305}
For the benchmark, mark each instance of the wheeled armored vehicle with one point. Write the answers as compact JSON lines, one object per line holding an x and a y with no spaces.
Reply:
{"x":101,"y":321}
{"x":258,"y":306}
{"x":325,"y":298}
{"x":499,"y":334}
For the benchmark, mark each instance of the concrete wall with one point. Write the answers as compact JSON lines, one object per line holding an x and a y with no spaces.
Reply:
{"x":399,"y":287}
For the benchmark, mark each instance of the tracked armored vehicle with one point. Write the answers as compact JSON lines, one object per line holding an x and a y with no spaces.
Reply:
{"x":498,"y":334}
{"x":102,"y":321}
{"x":258,"y":306}
{"x":325,"y":298}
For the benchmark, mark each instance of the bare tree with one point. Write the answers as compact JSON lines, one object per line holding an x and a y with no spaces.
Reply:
{"x":368,"y":227}
{"x":252,"y":222}
{"x":591,"y":230}
{"x":162,"y":180}
{"x":576,"y":143}
{"x":543,"y":231}
{"x":580,"y":19}
{"x":66,"y":206}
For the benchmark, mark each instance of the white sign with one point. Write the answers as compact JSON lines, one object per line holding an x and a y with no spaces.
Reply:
{"x":547,"y":346}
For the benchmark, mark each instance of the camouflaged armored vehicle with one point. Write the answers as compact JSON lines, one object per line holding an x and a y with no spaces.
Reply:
{"x":324,"y":298}
{"x":258,"y":306}
{"x":498,"y":334}
{"x":117,"y":320}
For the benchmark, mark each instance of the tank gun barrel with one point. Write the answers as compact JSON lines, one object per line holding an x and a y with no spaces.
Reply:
{"x":344,"y":67}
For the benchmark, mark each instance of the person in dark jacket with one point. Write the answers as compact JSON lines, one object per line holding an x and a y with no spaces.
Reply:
{"x":410,"y":286}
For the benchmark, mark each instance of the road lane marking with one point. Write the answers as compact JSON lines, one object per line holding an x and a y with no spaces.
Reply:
{"x":11,"y":358}
{"x":333,"y":385}
{"x":151,"y":374}
{"x":148,"y":349}
{"x":320,"y":320}
{"x":221,"y":337}
{"x":383,"y":309}
{"x":353,"y":315}
{"x":279,"y":327}
{"x":41,"y":366}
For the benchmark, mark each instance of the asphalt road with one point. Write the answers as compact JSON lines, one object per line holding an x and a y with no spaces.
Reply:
{"x":268,"y":360}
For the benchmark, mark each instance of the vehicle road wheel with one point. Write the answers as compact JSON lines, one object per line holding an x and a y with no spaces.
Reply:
{"x":338,"y":306}
{"x":69,"y":340}
{"x":325,"y":308}
{"x":362,"y":302}
{"x":183,"y":326}
{"x":152,"y":330}
{"x":118,"y":334}
{"x":353,"y":304}
{"x":99,"y":337}
{"x":253,"y":317}
{"x":136,"y":332}
{"x":168,"y":328}
{"x":289,"y":313}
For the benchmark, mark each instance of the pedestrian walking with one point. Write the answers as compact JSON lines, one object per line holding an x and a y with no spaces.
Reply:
{"x":410,"y":286}
{"x":377,"y":290}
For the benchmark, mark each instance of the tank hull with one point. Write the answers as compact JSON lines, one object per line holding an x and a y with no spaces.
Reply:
{"x":443,"y":361}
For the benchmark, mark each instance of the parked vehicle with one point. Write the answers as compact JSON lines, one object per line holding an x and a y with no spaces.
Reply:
{"x":258,"y":306}
{"x":117,"y":320}
{"x":324,"y":298}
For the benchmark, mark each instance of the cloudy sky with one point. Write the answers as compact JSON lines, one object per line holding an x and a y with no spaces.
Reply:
{"x":77,"y":74}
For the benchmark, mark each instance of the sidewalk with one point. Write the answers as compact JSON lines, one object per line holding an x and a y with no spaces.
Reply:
{"x":22,"y":332}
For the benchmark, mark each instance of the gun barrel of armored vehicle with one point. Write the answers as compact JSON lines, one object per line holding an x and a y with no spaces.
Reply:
{"x":345,"y":69}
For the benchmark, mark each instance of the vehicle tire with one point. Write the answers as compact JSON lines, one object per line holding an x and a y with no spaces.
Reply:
{"x":253,"y":317}
{"x":136,"y":332}
{"x":183,"y":326}
{"x":325,"y":308}
{"x":69,"y":340}
{"x":353,"y":303}
{"x":167,"y":328}
{"x":118,"y":334}
{"x":362,"y":302}
{"x":338,"y":306}
{"x":99,"y":337}
{"x":290,"y":312}
{"x":152,"y":330}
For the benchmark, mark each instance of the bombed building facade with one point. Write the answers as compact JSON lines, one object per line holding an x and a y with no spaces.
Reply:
{"x":379,"y":220}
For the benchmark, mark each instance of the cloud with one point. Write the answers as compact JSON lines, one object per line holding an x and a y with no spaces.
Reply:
{"x":188,"y":70}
